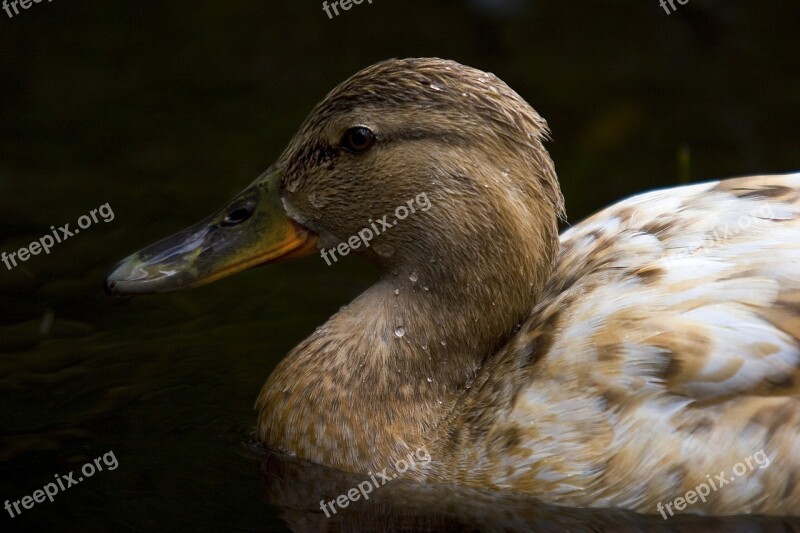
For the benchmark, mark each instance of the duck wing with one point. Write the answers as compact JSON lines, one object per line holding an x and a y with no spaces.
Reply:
{"x":693,"y":291}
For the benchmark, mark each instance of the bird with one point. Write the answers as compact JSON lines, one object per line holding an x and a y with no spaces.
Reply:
{"x":645,"y":358}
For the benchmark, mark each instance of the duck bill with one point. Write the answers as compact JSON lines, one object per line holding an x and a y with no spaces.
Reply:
{"x":251,"y":230}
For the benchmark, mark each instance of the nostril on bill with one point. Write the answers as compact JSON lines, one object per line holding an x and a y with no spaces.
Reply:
{"x":239,"y":214}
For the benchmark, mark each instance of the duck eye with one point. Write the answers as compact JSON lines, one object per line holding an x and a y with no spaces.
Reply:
{"x":238,"y":214}
{"x":358,"y":139}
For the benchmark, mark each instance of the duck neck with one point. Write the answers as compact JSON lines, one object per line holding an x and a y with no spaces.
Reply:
{"x":374,"y":381}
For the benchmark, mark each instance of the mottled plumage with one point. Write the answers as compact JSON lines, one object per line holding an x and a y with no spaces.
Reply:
{"x":665,"y":348}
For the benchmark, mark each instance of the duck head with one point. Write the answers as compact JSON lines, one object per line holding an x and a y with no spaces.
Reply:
{"x":445,"y":165}
{"x":452,"y":148}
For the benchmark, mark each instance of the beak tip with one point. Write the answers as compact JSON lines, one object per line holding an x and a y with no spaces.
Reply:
{"x":112,"y":285}
{"x":133,"y":276}
{"x":119,"y":280}
{"x":109,"y":286}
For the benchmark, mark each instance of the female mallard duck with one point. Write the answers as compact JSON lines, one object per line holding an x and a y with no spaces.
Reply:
{"x":622,"y":364}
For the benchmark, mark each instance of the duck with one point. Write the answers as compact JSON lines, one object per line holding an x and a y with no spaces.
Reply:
{"x":642,"y":356}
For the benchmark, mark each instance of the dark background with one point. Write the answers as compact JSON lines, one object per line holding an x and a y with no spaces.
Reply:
{"x":165,"y":110}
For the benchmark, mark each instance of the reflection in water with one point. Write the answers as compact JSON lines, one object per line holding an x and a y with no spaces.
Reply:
{"x":297,"y":487}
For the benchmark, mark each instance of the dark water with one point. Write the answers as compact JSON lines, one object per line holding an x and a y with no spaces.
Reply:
{"x":164,"y":111}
